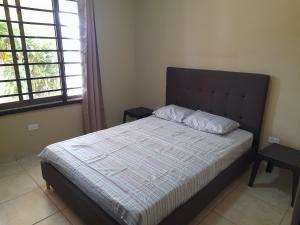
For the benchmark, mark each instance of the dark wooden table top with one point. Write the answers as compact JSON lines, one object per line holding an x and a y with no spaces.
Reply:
{"x":282,"y":154}
{"x":139,"y":112}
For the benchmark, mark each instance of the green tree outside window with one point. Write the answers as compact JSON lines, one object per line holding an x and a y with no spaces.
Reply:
{"x":8,"y":73}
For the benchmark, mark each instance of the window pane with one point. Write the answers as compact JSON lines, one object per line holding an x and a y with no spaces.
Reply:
{"x":43,"y":31}
{"x":11,"y":2}
{"x":71,"y":44}
{"x":70,"y":32}
{"x":3,"y":28}
{"x":26,"y":97}
{"x":69,"y":19}
{"x":6,"y":58}
{"x":40,"y":44}
{"x":13,"y":14}
{"x":46,"y":84}
{"x":8,"y":88}
{"x":9,"y":99}
{"x":72,"y":69}
{"x":44,"y":70}
{"x":47,"y":94}
{"x":22,"y":72}
{"x":39,"y":4}
{"x":68,"y":6}
{"x":72,"y":57}
{"x":4,"y":43}
{"x":20,"y":57}
{"x":75,"y":92}
{"x":2,"y":13}
{"x":24,"y":86}
{"x":16,"y":29}
{"x":42,"y":57}
{"x":73,"y":82}
{"x":7,"y":73}
{"x":18,"y":43}
{"x":34,"y":16}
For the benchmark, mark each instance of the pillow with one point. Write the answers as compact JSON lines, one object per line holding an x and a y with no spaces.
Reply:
{"x":173,"y":113}
{"x":210,"y":123}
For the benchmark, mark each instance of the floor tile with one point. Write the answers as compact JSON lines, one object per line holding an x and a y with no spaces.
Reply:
{"x":244,"y":178}
{"x":36,"y":174}
{"x":270,"y":194}
{"x":15,"y":185}
{"x":215,"y":219}
{"x":72,"y":217}
{"x":59,"y":203}
{"x":244,"y":209}
{"x":56,"y":219}
{"x":7,"y":169}
{"x":29,"y":162}
{"x":200,"y":217}
{"x":274,"y":188}
{"x":287,"y":220}
{"x":27,"y":209}
{"x":279,"y":177}
{"x":223,"y":194}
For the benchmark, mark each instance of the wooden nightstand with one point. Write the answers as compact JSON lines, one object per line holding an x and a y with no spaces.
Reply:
{"x":280,"y":156}
{"x":137,"y":113}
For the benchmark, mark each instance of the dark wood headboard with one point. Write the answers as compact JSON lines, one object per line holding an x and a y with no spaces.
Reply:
{"x":239,"y":96}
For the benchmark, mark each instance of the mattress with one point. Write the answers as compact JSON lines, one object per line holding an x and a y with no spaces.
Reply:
{"x":140,"y":172}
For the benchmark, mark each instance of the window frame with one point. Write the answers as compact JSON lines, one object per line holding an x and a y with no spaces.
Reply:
{"x":36,"y":103}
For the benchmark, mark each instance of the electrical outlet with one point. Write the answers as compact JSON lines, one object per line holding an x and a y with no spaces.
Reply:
{"x":273,"y":140}
{"x":33,"y":126}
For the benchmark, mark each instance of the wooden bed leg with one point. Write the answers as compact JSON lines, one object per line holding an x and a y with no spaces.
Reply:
{"x":47,"y":185}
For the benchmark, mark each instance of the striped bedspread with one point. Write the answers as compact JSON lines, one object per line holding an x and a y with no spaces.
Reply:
{"x":140,"y":172}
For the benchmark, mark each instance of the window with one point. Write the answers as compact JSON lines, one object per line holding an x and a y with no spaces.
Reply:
{"x":40,"y":62}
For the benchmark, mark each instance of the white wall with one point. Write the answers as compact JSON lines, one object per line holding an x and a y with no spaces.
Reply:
{"x":249,"y":36}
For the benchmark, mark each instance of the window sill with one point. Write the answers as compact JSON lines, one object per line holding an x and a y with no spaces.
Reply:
{"x":39,"y":106}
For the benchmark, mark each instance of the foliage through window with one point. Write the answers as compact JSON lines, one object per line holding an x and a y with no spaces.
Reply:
{"x":40,"y":58}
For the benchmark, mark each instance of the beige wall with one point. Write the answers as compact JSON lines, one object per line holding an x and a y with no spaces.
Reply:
{"x":115,"y":29}
{"x":56,"y":124}
{"x":251,"y":36}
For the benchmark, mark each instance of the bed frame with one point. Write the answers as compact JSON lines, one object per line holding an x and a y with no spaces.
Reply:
{"x":239,"y":96}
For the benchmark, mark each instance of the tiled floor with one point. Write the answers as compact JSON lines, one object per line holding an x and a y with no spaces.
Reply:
{"x":24,"y":200}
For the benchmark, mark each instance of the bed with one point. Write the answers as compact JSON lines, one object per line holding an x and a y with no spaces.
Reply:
{"x":151,"y":171}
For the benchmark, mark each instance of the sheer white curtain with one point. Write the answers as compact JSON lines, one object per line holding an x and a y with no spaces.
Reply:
{"x":93,"y":107}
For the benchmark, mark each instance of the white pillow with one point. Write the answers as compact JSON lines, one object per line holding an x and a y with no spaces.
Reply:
{"x":210,"y":123}
{"x":173,"y":113}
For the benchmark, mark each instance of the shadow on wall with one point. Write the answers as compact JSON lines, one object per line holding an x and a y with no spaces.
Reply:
{"x":270,"y":111}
